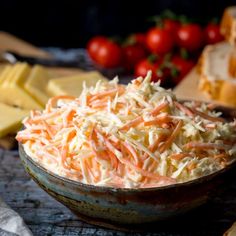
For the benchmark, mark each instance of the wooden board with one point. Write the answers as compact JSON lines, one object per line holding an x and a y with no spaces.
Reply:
{"x":188,"y":88}
{"x":12,"y":43}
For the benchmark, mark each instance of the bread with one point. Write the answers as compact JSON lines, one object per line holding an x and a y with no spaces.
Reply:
{"x":231,"y":231}
{"x":228,"y":24}
{"x":217,"y":72}
{"x":232,"y":63}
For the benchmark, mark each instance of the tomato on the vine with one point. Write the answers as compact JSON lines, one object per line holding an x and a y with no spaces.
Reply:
{"x":190,"y":37}
{"x":159,"y":41}
{"x":181,"y":67}
{"x":94,"y":44}
{"x":138,"y":38}
{"x":132,"y":54}
{"x":104,"y":52}
{"x":142,"y":68}
{"x":212,"y":34}
{"x":172,"y":26}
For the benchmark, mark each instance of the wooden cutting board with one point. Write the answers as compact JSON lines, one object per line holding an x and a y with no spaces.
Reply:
{"x":188,"y":88}
{"x":12,"y":43}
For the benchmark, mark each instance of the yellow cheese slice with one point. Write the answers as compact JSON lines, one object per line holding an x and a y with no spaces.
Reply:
{"x":21,"y":74}
{"x":5,"y":73}
{"x":10,"y":119}
{"x":16,"y":96}
{"x":2,"y":68}
{"x":16,"y":74}
{"x":73,"y":85}
{"x":13,"y":70}
{"x":36,"y":84}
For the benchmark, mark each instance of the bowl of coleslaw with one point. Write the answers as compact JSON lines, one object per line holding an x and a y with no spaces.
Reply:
{"x":130,"y":154}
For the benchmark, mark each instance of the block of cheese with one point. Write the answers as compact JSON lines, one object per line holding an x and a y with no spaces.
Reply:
{"x":36,"y":84}
{"x":10,"y":119}
{"x":20,"y":75}
{"x":228,"y":24}
{"x":16,"y":74}
{"x":11,"y":88}
{"x":73,"y":85}
{"x":16,"y":96}
{"x":5,"y":72}
{"x":2,"y":68}
{"x":8,"y":74}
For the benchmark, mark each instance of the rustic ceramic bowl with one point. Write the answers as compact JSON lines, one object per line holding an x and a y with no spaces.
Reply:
{"x":120,"y":208}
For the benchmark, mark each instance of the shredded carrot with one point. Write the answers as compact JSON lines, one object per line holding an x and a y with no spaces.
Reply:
{"x":111,"y":92}
{"x":183,"y":108}
{"x":156,"y":143}
{"x":52,"y":102}
{"x":158,"y":120}
{"x":191,"y":166}
{"x":133,"y":123}
{"x":222,"y":156}
{"x":158,"y":108}
{"x":172,"y":137}
{"x":179,"y":156}
{"x":205,"y":146}
{"x":207,"y":117}
{"x":132,"y":152}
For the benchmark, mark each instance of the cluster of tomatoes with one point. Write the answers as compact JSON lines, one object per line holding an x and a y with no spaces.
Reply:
{"x":169,"y":49}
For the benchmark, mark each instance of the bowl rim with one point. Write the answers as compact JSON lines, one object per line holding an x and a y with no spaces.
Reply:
{"x":107,"y":189}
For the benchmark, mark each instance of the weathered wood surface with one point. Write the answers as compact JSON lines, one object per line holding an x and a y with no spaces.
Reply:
{"x":45,"y":216}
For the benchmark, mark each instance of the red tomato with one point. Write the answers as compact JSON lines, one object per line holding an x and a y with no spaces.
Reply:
{"x":132,"y":54}
{"x":171,"y":26}
{"x":108,"y":54}
{"x":190,"y":37}
{"x":212,"y":34}
{"x":159,"y":41}
{"x":142,"y":68}
{"x":94,"y":44}
{"x":139,"y":38}
{"x":183,"y":67}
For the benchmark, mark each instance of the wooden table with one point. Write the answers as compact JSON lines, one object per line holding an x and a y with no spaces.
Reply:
{"x":45,"y":216}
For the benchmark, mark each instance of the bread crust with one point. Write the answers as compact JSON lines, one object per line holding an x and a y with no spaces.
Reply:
{"x":232,"y":64}
{"x":217,"y":88}
{"x":228,"y":25}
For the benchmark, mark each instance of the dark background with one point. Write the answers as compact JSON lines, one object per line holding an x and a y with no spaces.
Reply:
{"x":71,"y":23}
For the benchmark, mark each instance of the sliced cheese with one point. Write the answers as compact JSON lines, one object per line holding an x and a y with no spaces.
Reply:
{"x":73,"y":85}
{"x":10,"y":119}
{"x":5,"y":73}
{"x":36,"y":84}
{"x":20,"y":75}
{"x":13,"y":70}
{"x":16,"y":96}
{"x":16,"y":74}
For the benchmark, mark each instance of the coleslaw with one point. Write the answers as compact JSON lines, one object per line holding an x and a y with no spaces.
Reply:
{"x":134,"y":136}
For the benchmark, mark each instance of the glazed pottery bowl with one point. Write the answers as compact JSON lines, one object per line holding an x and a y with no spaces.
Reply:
{"x":109,"y":206}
